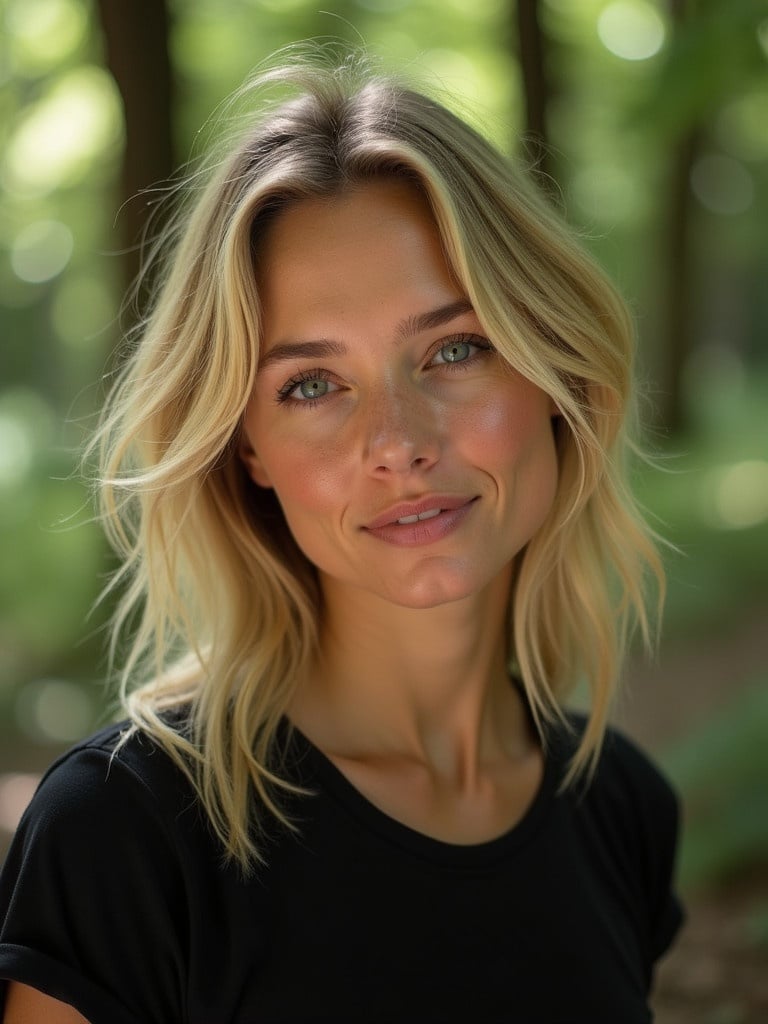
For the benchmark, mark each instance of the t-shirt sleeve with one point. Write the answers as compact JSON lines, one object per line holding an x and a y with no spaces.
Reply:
{"x":667,"y":914}
{"x":91,"y":895}
{"x":655,"y":811}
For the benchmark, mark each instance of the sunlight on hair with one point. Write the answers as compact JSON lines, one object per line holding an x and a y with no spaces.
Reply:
{"x":631,"y":29}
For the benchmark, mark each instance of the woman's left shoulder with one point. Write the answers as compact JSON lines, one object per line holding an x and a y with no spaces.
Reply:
{"x":629,"y":810}
{"x":628,"y":770}
{"x":626,"y":798}
{"x":623,"y":769}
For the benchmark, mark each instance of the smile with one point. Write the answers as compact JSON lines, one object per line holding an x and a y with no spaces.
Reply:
{"x":405,"y":520}
{"x":413,"y":524}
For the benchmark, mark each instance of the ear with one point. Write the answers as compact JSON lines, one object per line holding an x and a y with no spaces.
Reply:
{"x":253,"y":463}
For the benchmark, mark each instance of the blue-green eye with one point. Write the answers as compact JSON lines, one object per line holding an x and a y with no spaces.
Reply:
{"x":313,"y":388}
{"x":461,"y":349}
{"x":307,"y":388}
{"x":456,"y":351}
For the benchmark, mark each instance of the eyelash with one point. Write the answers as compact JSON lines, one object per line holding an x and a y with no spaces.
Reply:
{"x":482,"y":345}
{"x":284,"y":392}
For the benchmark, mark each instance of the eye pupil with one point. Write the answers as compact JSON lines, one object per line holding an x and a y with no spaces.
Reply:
{"x":456,"y":352}
{"x":313,"y":388}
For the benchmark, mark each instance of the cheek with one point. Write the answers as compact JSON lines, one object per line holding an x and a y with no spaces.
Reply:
{"x":308,"y":479}
{"x":509,"y":426}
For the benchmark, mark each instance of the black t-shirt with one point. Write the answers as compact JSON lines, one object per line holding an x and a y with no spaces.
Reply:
{"x":115,"y":898}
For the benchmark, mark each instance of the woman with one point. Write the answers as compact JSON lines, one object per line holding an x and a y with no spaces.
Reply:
{"x":366,"y":471}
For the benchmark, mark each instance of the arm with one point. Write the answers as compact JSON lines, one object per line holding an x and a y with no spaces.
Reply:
{"x":92,"y":902}
{"x":25,"y":1005}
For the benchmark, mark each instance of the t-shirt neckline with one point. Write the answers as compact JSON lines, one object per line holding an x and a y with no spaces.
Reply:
{"x":316,"y":767}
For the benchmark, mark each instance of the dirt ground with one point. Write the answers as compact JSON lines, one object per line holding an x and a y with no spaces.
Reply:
{"x":717,"y":971}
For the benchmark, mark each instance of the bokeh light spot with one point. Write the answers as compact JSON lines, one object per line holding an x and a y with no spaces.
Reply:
{"x":54,"y":711}
{"x":26,"y":426}
{"x":762,"y":36}
{"x":45,"y":32}
{"x":15,"y":450}
{"x":63,"y":133}
{"x":631,"y":29}
{"x":41,"y":250}
{"x":736,"y":495}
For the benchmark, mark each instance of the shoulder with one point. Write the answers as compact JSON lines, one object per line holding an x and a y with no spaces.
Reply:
{"x":624,"y":772}
{"x":627,"y":816}
{"x":626,"y":806}
{"x":95,"y":890}
{"x":109,"y":787}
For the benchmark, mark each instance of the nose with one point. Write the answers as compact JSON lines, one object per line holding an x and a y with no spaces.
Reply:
{"x":402,"y":431}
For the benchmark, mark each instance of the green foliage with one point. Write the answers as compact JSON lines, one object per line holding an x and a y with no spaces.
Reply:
{"x":708,"y":496}
{"x":713,"y":54}
{"x":721,"y":770}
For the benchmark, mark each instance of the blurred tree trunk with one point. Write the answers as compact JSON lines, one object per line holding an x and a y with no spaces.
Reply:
{"x":675,"y":261}
{"x":136,"y":42}
{"x":532,"y":47}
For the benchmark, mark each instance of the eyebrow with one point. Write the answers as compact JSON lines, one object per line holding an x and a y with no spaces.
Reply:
{"x":414,"y":325}
{"x":408,"y":328}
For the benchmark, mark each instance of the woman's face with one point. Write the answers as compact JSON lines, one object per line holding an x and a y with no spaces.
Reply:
{"x":410,"y":461}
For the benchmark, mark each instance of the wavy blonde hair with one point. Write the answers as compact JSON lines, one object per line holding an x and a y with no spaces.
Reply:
{"x":221,"y":604}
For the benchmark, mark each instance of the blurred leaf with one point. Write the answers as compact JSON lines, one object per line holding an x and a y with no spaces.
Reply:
{"x":721,"y":770}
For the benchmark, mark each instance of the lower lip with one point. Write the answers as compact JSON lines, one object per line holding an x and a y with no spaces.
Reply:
{"x":425,"y":531}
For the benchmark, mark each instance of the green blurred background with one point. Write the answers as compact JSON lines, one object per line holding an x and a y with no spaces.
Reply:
{"x":648,"y":120}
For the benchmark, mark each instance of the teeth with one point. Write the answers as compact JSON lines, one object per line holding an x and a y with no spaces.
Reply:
{"x":430,"y":514}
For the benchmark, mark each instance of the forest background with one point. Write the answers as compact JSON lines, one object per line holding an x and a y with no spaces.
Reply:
{"x":647,"y":121}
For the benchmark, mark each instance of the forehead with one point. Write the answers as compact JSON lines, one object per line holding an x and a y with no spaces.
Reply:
{"x":368,"y":250}
{"x":377,"y":202}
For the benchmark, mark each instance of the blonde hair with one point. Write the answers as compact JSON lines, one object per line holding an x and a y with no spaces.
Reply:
{"x":225,"y":605}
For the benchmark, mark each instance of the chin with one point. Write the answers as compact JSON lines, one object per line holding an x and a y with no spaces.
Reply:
{"x":433,"y":590}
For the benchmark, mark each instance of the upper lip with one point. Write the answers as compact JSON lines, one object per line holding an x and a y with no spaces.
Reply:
{"x":445,"y":502}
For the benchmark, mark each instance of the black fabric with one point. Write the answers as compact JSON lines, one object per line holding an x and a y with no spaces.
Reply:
{"x":115,"y":898}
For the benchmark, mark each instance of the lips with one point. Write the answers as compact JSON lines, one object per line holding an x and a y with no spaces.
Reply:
{"x":407,"y":520}
{"x":409,"y":512}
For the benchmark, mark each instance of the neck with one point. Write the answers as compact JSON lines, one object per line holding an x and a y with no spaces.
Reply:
{"x":428,"y":684}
